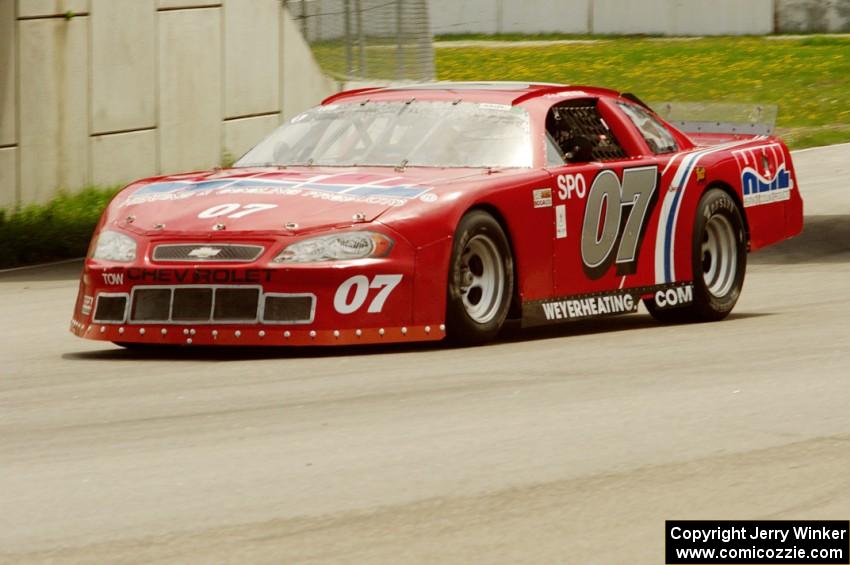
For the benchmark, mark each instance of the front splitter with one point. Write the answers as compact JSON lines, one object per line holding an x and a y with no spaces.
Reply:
{"x":252,"y":335}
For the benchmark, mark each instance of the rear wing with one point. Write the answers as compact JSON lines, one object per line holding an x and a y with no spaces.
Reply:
{"x":716,"y":117}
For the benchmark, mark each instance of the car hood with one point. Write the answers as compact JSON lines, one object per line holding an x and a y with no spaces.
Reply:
{"x":275,"y":200}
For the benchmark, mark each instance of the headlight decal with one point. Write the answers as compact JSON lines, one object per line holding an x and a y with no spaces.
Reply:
{"x":337,"y":247}
{"x":115,"y":246}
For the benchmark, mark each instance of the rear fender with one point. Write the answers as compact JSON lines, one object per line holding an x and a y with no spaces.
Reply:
{"x":761,"y":178}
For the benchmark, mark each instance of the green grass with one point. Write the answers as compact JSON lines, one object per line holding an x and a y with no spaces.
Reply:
{"x":59,"y":229}
{"x":517,"y":37}
{"x":380,"y":59}
{"x":809,"y":78}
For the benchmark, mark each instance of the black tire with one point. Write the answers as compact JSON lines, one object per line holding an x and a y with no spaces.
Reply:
{"x":480,"y":252}
{"x":718,"y":220}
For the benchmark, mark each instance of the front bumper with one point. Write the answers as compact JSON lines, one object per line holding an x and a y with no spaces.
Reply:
{"x":357,"y":302}
{"x":252,"y":335}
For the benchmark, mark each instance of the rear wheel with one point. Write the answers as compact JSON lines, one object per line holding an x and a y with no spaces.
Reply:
{"x":481,"y":280}
{"x":719,"y":262}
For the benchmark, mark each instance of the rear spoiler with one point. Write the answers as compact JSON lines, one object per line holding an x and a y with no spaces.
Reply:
{"x":715,"y":117}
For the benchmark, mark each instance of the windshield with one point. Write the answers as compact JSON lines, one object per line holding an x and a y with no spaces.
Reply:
{"x":426,"y":134}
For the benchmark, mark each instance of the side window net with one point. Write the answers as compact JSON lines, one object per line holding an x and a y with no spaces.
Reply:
{"x":580,"y":125}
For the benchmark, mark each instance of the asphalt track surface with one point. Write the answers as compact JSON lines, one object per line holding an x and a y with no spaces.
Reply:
{"x":570,"y":445}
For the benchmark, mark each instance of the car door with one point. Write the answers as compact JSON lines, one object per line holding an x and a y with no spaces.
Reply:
{"x":607,"y":191}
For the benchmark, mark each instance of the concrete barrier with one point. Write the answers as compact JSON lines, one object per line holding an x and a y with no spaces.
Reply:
{"x":805,"y":16}
{"x":661,"y":17}
{"x":8,"y":105}
{"x":121,"y":89}
{"x":683,"y":17}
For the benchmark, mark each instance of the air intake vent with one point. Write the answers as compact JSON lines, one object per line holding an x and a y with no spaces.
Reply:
{"x":151,"y":305}
{"x":236,"y":304}
{"x":289,"y":308}
{"x":111,"y":308}
{"x":207,"y":305}
{"x":197,"y":252}
{"x":192,"y":304}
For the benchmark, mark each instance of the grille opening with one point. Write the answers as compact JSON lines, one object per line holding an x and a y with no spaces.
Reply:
{"x":288,"y":309}
{"x":191,"y":304}
{"x":236,"y":304}
{"x":196,"y":252}
{"x":110,"y":308}
{"x":151,"y":304}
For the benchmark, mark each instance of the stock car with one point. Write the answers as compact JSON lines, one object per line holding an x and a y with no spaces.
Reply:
{"x":414,"y":213}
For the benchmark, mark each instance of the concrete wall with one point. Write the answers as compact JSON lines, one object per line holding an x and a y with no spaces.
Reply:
{"x":8,"y":103}
{"x":509,"y":16}
{"x":122,"y":89}
{"x":803,"y":16}
{"x":683,"y":17}
{"x":662,"y":17}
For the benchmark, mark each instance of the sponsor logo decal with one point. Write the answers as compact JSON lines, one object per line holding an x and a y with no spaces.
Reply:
{"x":602,"y":304}
{"x":542,"y":197}
{"x":672,"y":297}
{"x":317,"y":187}
{"x":560,"y":221}
{"x":88,"y":302}
{"x":591,"y":307}
{"x":198,"y":276}
{"x":571,"y":185}
{"x":113,"y":279}
{"x":205,"y":252}
{"x":764,"y":189}
{"x":765,"y":177}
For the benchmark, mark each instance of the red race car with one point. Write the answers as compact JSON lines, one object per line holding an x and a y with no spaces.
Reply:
{"x":416,"y":213}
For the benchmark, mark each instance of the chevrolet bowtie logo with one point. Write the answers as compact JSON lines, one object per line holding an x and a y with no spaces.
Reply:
{"x":204,"y":252}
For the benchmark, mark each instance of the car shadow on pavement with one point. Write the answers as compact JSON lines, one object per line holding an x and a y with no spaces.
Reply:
{"x":512,"y":333}
{"x":602,"y":326}
{"x":197,"y":353}
{"x":825,"y":239}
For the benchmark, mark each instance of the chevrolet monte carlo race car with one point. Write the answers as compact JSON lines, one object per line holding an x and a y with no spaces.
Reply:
{"x":416,"y":213}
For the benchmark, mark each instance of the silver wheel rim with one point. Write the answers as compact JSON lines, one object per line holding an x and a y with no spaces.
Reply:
{"x":482,"y":279}
{"x":719,"y":256}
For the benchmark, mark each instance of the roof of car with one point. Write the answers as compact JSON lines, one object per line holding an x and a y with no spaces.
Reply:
{"x":508,"y":92}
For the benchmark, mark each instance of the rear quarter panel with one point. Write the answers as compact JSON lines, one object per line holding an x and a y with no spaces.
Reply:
{"x":760,"y":174}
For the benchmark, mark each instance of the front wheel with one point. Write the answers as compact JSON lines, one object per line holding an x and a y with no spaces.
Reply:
{"x":481,"y":280}
{"x":719,"y":250}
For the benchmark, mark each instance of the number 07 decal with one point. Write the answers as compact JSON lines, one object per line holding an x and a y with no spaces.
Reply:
{"x":346,"y":302}
{"x":615,"y":218}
